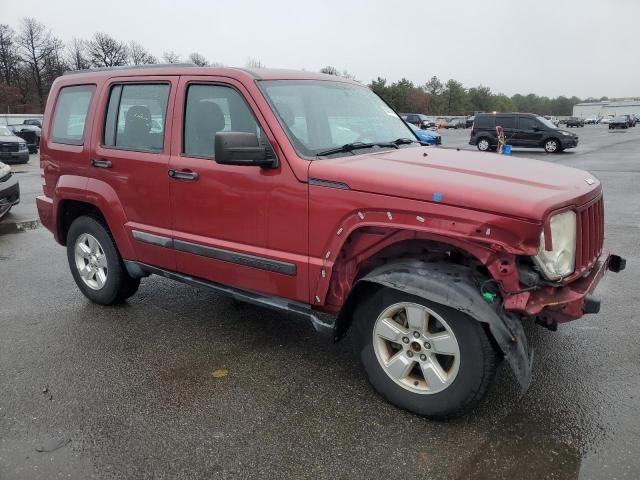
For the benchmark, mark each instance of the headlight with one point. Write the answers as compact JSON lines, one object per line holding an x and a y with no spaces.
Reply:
{"x":560,"y":261}
{"x":4,"y":169}
{"x":566,"y":133}
{"x":22,"y":146}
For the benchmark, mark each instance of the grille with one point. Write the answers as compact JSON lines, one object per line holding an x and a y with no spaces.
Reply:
{"x":590,"y":234}
{"x":8,"y":147}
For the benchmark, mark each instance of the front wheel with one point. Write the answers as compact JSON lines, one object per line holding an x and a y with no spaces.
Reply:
{"x":552,"y":146}
{"x":96,"y":265}
{"x":421,"y":356}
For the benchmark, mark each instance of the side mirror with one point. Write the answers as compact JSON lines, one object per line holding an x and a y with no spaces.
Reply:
{"x":242,"y":148}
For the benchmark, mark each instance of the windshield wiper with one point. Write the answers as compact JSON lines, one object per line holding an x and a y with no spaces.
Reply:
{"x":348,"y":147}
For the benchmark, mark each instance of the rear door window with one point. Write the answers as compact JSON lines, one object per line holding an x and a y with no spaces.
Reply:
{"x":70,"y":114}
{"x":136,"y":116}
{"x":485,"y":122}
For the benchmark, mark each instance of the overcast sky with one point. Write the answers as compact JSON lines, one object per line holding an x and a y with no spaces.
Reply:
{"x":558,"y":47}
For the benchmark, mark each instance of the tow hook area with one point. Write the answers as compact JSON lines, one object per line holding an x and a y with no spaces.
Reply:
{"x":591,"y":304}
{"x":617,"y":263}
{"x":548,"y":323}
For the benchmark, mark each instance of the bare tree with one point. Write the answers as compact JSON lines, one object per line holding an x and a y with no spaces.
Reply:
{"x":255,"y":63}
{"x":54,"y":63}
{"x":35,"y":44}
{"x":171,"y":57}
{"x":198,"y":59}
{"x":138,"y":55}
{"x":329,"y":70}
{"x":106,"y":51}
{"x":77,"y":56}
{"x":9,"y":58}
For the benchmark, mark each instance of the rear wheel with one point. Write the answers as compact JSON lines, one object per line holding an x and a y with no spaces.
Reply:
{"x":483,"y":144}
{"x":422,"y":356}
{"x":96,"y":265}
{"x":552,"y":145}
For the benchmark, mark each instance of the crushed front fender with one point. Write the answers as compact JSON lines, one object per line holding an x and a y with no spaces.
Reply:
{"x":454,"y":286}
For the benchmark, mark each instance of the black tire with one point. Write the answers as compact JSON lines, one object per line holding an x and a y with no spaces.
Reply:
{"x":480,"y":144}
{"x":477,"y":367}
{"x":549,"y":149}
{"x":118,"y":285}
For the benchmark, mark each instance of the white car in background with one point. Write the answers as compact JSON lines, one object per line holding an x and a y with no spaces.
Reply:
{"x":606,"y":120}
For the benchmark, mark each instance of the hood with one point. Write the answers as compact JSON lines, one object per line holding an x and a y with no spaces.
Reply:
{"x":506,"y":185}
{"x":11,"y":139}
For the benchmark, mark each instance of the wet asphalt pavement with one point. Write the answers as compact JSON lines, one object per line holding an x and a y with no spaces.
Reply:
{"x":140,"y":390}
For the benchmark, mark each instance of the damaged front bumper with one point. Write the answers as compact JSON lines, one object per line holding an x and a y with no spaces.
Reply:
{"x":553,"y":305}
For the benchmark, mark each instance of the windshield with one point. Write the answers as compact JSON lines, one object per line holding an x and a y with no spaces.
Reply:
{"x":5,"y":132}
{"x":547,"y":123}
{"x":320,"y":115}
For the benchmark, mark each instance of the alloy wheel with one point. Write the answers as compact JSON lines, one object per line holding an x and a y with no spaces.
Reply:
{"x":416,"y":348}
{"x":91,"y":261}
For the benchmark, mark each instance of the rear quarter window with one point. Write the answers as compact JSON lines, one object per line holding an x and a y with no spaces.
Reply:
{"x":506,"y":121}
{"x":485,"y":122}
{"x":70,"y":114}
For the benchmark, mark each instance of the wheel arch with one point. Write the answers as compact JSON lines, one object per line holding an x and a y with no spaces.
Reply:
{"x":454,"y":286}
{"x":96,"y":199}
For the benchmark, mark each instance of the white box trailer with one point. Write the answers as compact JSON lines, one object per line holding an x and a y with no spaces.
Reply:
{"x":17,"y":118}
{"x":607,"y":107}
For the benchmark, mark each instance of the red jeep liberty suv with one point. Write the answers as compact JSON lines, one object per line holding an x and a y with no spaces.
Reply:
{"x":306,"y":193}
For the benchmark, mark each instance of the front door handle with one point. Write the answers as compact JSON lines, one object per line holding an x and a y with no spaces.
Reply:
{"x":101,"y":163}
{"x":183,"y":175}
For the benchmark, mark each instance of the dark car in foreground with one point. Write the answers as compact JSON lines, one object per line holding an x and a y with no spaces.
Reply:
{"x":12,"y":147}
{"x":29,"y":133}
{"x":619,"y":121}
{"x":520,"y":130}
{"x":9,"y":189}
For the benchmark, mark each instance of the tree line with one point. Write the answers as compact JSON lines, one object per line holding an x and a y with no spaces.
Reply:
{"x":31,"y":57}
{"x":452,"y":98}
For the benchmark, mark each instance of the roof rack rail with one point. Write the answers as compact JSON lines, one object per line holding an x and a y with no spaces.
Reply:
{"x":128,"y":67}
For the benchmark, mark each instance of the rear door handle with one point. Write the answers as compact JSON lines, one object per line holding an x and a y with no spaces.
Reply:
{"x":101,"y":163}
{"x":183,"y":175}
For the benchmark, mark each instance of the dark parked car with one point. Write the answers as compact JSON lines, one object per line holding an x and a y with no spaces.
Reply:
{"x":457,"y":123}
{"x":12,"y":147}
{"x":29,"y":133}
{"x":520,"y":130}
{"x":9,"y":189}
{"x":33,"y":121}
{"x":619,"y":121}
{"x":419,"y":120}
{"x":574,"y":122}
